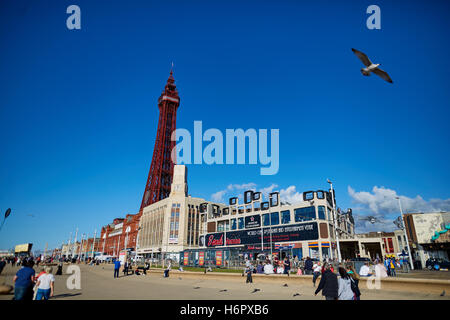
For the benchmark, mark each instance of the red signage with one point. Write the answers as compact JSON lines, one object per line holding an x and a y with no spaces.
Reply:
{"x":201,"y":258}
{"x":219,"y":258}
{"x":213,"y":241}
{"x":186,"y":258}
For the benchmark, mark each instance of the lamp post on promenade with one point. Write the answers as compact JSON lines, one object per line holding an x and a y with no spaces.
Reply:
{"x":93,"y":244}
{"x":336,"y":233}
{"x":406,"y":234}
{"x":74,"y":243}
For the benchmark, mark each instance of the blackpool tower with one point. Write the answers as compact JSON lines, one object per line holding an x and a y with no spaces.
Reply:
{"x":161,"y":170}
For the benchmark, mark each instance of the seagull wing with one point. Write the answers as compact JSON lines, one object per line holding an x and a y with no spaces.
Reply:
{"x":383,"y":74}
{"x":362,"y":56}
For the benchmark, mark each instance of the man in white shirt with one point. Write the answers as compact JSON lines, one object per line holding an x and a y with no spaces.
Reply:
{"x":365,"y":270}
{"x":45,"y":285}
{"x":317,"y":268}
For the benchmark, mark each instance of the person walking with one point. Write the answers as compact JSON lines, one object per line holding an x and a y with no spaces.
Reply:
{"x":355,"y":282}
{"x":249,"y":272}
{"x":2,"y":264}
{"x":23,"y":282}
{"x":386,"y":266}
{"x":317,"y":269}
{"x":328,"y":284}
{"x":45,"y":285}
{"x":392,"y":267}
{"x":60,"y":269}
{"x":167,"y":270}
{"x":116,"y":268}
{"x":125,"y":268}
{"x":344,"y":285}
{"x":308,"y":265}
{"x":287,"y":266}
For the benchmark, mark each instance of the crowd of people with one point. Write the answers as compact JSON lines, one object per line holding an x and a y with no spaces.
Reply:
{"x":340,"y":285}
{"x":28,"y":285}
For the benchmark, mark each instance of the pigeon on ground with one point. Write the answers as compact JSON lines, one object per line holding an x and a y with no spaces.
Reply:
{"x":196,"y":287}
{"x":443,"y":293}
{"x":179,"y":279}
{"x":296,"y":294}
{"x":371,"y":67}
{"x":256,"y":290}
{"x":223,"y":290}
{"x":285,"y":285}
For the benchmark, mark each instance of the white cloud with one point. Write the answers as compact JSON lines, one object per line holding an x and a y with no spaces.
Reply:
{"x":381,"y":203}
{"x":383,"y":200}
{"x":265,"y":191}
{"x":219,"y":195}
{"x":291,"y":195}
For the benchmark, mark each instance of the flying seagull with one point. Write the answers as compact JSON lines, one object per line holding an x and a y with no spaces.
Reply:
{"x":371,"y":67}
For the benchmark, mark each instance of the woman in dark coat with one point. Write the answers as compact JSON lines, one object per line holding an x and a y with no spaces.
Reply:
{"x":328,"y":284}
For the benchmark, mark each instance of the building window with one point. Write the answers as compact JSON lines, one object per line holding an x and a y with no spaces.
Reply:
{"x":241,"y":223}
{"x":285,"y":216}
{"x":233,"y":224}
{"x":266,"y":219}
{"x":322,"y":212}
{"x":320,"y":195}
{"x":274,"y":218}
{"x":305,"y":214}
{"x":309,"y":195}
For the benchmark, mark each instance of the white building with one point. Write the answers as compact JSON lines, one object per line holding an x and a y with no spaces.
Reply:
{"x":171,"y":225}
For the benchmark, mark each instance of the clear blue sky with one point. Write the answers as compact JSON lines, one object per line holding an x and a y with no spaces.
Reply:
{"x":78,"y":109}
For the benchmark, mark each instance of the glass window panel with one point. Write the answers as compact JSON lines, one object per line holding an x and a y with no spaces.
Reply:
{"x":233,"y":224}
{"x":266,"y":219}
{"x":309,"y":195}
{"x":241,"y":223}
{"x":274,"y":218}
{"x":322,"y":212}
{"x":285,"y":216}
{"x":305,"y":214}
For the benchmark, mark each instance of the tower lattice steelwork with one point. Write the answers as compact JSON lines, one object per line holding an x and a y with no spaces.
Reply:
{"x":161,"y":170}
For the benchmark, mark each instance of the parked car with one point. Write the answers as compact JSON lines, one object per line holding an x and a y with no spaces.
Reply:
{"x":437,"y":264}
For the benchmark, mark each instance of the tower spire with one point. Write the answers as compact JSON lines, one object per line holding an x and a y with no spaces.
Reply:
{"x":161,"y":170}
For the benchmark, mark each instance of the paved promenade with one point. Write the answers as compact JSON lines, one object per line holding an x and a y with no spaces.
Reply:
{"x":97,"y":283}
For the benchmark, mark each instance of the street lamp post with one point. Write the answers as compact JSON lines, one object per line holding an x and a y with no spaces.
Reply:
{"x":74,"y":243}
{"x":7,"y":213}
{"x":93,"y":243}
{"x":406,"y":234}
{"x":137,"y":246}
{"x":335,"y":221}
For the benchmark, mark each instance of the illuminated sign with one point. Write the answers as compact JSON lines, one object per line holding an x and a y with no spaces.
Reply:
{"x":287,"y":233}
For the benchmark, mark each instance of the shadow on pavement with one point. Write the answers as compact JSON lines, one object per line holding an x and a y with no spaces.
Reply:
{"x":66,"y":295}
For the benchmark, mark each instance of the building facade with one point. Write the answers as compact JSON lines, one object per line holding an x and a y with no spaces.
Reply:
{"x":171,"y":225}
{"x":119,"y":235}
{"x":428,"y":235}
{"x":304,"y":229}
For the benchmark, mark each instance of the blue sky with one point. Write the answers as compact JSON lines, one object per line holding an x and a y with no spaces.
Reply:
{"x":78,"y":108}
